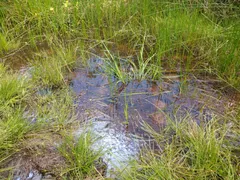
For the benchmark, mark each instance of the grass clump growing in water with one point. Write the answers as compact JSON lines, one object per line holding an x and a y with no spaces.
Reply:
{"x":49,"y":70}
{"x":12,"y":89}
{"x":189,"y":151}
{"x":80,"y":157}
{"x":6,"y":45}
{"x":12,"y":130}
{"x":54,"y":108}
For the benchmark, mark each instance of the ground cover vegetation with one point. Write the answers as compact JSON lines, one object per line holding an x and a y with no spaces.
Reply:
{"x":137,"y":39}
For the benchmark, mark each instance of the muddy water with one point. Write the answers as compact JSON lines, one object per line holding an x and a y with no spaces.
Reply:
{"x":18,"y":60}
{"x":115,"y":112}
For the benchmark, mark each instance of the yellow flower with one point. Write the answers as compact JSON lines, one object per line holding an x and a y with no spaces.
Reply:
{"x":66,"y":4}
{"x":51,"y":9}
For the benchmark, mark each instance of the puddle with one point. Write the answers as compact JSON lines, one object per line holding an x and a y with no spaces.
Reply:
{"x":116,"y":112}
{"x":17,"y":60}
{"x":119,"y":146}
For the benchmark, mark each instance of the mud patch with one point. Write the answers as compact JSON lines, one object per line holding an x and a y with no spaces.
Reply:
{"x":38,"y":160}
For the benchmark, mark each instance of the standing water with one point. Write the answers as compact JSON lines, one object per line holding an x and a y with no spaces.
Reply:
{"x":115,"y":113}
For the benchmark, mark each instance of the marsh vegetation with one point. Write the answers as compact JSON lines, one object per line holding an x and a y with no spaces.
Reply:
{"x":164,"y":75}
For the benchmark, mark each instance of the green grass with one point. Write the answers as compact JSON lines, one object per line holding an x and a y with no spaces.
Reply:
{"x":48,"y":72}
{"x":13,"y":128}
{"x":12,"y":89}
{"x":55,"y":108}
{"x":188,"y":151}
{"x":26,"y":120}
{"x":7,"y":45}
{"x":191,"y":34}
{"x":50,"y":68}
{"x":80,"y":157}
{"x":139,"y":40}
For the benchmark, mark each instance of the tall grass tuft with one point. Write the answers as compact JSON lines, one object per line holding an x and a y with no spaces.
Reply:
{"x":80,"y":157}
{"x":13,"y":88}
{"x":188,"y":151}
{"x":50,"y":68}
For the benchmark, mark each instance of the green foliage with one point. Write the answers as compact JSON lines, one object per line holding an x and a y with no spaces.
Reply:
{"x":191,"y":152}
{"x":3,"y":43}
{"x":49,"y":70}
{"x":2,"y":69}
{"x":169,"y":35}
{"x":13,"y":88}
{"x":6,"y":45}
{"x":187,"y":33}
{"x":227,"y":58}
{"x":13,"y":127}
{"x":79,"y":156}
{"x":55,"y":108}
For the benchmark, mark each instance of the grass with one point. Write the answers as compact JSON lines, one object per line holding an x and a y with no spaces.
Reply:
{"x":187,"y":151}
{"x":13,"y":129}
{"x":80,"y":157}
{"x":13,"y":88}
{"x":7,"y":45}
{"x":56,"y":108}
{"x":29,"y":126}
{"x":169,"y":34}
{"x":138,"y":40}
{"x":50,"y":69}
{"x":13,"y":126}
